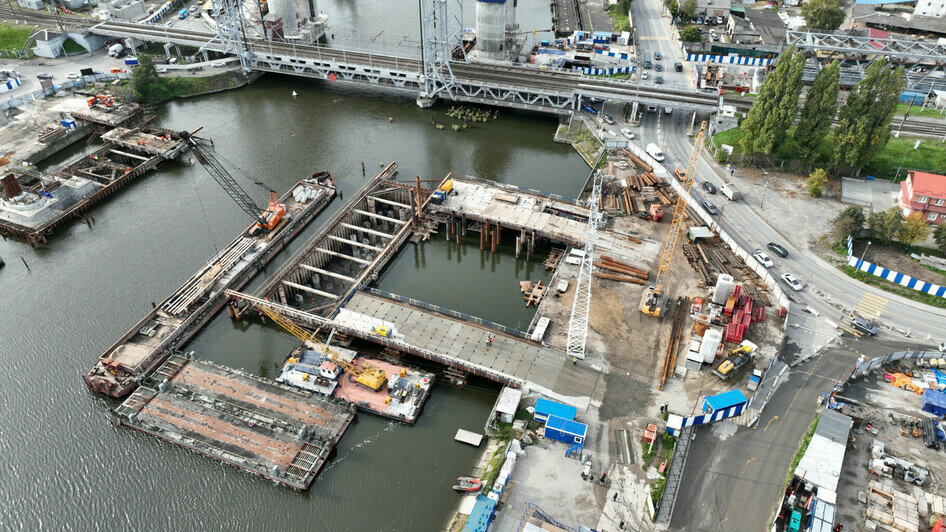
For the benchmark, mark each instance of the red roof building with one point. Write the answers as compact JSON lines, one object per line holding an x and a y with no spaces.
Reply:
{"x":924,"y":193}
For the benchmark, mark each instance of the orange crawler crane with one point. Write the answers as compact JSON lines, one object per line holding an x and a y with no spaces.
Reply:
{"x":103,"y":99}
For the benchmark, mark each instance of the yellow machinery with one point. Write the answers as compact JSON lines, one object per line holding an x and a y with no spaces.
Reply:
{"x":366,"y":375}
{"x":654,"y":298}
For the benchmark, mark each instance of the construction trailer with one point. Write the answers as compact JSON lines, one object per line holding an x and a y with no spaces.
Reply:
{"x":545,"y":409}
{"x":565,"y":431}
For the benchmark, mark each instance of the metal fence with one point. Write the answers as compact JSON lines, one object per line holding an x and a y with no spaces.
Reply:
{"x":674,"y":476}
{"x":448,"y":312}
{"x":69,"y":85}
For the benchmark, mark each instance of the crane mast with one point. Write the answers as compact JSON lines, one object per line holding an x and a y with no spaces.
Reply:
{"x":581,"y":306}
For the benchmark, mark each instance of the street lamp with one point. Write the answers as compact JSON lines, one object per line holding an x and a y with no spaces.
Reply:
{"x":765,"y":188}
{"x":862,"y":255}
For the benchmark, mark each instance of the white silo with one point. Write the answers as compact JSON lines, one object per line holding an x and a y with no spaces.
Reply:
{"x":285,"y":10}
{"x":491,"y":29}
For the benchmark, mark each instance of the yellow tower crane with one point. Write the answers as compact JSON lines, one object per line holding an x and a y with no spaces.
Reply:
{"x":654,"y":298}
{"x":366,"y":375}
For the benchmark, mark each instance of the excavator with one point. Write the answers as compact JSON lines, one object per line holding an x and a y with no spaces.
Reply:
{"x":266,"y":220}
{"x":370,"y":377}
{"x":654,"y":300}
{"x":102,"y":99}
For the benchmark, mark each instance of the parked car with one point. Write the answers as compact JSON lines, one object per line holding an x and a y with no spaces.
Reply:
{"x":779,"y":250}
{"x":657,"y":55}
{"x":627,"y":133}
{"x":708,"y":187}
{"x":710,"y":208}
{"x":117,"y":71}
{"x":864,"y":326}
{"x":73,"y":75}
{"x":763,"y":259}
{"x":678,"y":66}
{"x":162,"y":70}
{"x":659,"y":67}
{"x":44,"y":75}
{"x":792,"y":282}
{"x":645,"y":75}
{"x":659,"y":80}
{"x":193,"y":9}
{"x":668,"y":110}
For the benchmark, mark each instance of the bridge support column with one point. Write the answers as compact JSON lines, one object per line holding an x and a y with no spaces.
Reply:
{"x":167,"y":51}
{"x":634,"y":107}
{"x":206,"y":56}
{"x":424,"y":102}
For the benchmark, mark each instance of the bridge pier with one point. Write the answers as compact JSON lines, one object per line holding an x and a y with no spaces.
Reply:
{"x":424,"y":102}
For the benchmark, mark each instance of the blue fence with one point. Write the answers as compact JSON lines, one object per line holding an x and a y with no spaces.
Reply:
{"x":892,"y":276}
{"x":608,"y":71}
{"x":729,"y":59}
{"x":718,"y":415}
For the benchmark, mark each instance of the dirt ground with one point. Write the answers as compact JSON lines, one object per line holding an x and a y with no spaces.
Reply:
{"x":896,"y":260}
{"x":19,"y":137}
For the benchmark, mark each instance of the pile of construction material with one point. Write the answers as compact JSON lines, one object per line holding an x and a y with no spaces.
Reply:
{"x":892,"y":509}
{"x":741,"y":308}
{"x":641,"y":193}
{"x":616,"y":270}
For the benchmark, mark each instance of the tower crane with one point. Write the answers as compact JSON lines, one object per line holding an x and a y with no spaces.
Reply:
{"x":581,"y":306}
{"x":367,"y":376}
{"x":654,"y":297}
{"x":265,"y":219}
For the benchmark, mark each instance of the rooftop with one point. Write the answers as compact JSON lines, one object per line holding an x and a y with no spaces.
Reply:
{"x":769,"y":25}
{"x":916,"y":22}
{"x":927,"y":184}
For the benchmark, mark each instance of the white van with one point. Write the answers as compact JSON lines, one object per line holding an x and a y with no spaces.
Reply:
{"x":655,"y":152}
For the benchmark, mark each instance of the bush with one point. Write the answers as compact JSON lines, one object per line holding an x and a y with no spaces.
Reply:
{"x":849,"y":222}
{"x":816,"y":182}
{"x":885,"y":225}
{"x":914,"y":229}
{"x":691,"y":34}
{"x":939,"y":235}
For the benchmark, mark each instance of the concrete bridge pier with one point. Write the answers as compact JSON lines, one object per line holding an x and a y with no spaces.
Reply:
{"x":424,"y":102}
{"x":206,"y":55}
{"x":167,"y":51}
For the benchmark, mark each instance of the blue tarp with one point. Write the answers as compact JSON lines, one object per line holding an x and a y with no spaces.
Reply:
{"x":940,"y":376}
{"x":545,"y":408}
{"x":723,"y":400}
{"x":480,"y":516}
{"x":934,"y":402}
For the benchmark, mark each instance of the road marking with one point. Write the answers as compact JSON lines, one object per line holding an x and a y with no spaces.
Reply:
{"x":871,"y":305}
{"x":857,"y":334}
{"x":653,"y":38}
{"x":749,"y":461}
{"x":767,"y":425}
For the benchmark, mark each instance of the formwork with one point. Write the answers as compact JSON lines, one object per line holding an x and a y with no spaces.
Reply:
{"x":272,"y":430}
{"x":191,"y":306}
{"x":148,"y":139}
{"x":118,"y":115}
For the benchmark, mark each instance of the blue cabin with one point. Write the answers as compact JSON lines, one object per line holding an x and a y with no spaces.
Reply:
{"x":545,"y":408}
{"x":565,"y":430}
{"x":724,"y":400}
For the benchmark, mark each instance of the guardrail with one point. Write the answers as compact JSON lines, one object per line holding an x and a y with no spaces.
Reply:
{"x":674,"y":476}
{"x":71,"y":84}
{"x":448,"y":312}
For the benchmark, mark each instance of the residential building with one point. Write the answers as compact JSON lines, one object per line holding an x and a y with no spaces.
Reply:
{"x":770,"y":26}
{"x":924,"y":193}
{"x":718,"y":8}
{"x":930,"y":8}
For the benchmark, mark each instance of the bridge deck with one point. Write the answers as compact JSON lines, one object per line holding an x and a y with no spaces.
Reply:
{"x":466,"y":342}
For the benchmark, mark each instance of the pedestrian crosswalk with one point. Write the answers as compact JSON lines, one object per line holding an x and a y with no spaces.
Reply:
{"x":871,"y":306}
{"x":847,"y":328}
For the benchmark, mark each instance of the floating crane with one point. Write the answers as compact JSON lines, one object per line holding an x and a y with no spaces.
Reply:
{"x":654,"y":299}
{"x":265,"y":219}
{"x":367,"y":376}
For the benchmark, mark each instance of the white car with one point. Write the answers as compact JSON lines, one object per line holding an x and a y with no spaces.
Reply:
{"x":763,"y":259}
{"x":645,"y":75}
{"x":162,"y":70}
{"x":627,"y":133}
{"x":73,"y":75}
{"x":168,"y":24}
{"x":791,"y":281}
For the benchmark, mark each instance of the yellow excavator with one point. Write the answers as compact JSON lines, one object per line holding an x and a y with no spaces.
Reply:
{"x":367,"y":376}
{"x":654,"y":299}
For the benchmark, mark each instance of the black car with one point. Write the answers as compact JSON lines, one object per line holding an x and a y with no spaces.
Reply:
{"x":659,"y":80}
{"x":710,"y":208}
{"x":657,"y":56}
{"x":708,"y":187}
{"x":778,"y":250}
{"x":864,"y":326}
{"x":678,"y":66}
{"x":659,"y":67}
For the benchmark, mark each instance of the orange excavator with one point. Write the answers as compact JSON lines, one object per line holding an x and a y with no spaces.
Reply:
{"x":102,"y":99}
{"x":265,"y":219}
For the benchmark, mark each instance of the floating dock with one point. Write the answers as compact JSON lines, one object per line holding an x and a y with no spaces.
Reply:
{"x":181,"y":315}
{"x":33,"y":204}
{"x":266,"y":428}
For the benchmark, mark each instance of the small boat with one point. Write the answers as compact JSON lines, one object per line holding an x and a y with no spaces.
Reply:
{"x":467,"y":484}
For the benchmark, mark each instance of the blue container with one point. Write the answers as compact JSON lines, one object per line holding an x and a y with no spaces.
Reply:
{"x":438,"y":197}
{"x":566,"y":431}
{"x":916,"y":97}
{"x":68,"y":123}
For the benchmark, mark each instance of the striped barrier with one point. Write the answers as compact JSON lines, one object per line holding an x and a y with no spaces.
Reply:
{"x":9,"y":84}
{"x":729,"y":59}
{"x":675,"y":423}
{"x":616,"y":55}
{"x":892,"y":276}
{"x":607,"y":71}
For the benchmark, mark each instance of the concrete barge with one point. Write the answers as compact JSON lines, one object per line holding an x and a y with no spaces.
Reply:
{"x":173,"y":322}
{"x":34,"y":204}
{"x":269,"y":429}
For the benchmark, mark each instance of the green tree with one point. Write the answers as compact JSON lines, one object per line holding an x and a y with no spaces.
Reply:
{"x":864,"y":122}
{"x":687,"y":8}
{"x":823,"y":14}
{"x":885,"y":225}
{"x":939,"y":236}
{"x":691,"y":34}
{"x":145,"y":82}
{"x":914,"y":229}
{"x":849,"y":222}
{"x":816,"y":182}
{"x":775,"y":108}
{"x":821,"y":105}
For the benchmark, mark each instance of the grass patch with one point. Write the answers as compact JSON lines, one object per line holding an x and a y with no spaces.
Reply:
{"x":493,"y":466}
{"x":801,"y":449}
{"x":893,"y":288}
{"x":916,"y":111}
{"x":619,"y":16}
{"x":71,"y":47}
{"x":169,"y":88}
{"x":14,"y":37}
{"x":657,"y":491}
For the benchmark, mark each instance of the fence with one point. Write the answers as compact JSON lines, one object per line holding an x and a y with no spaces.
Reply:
{"x":449,"y":313}
{"x":892,"y":276}
{"x":674,"y":476}
{"x":862,"y":369}
{"x":71,"y":84}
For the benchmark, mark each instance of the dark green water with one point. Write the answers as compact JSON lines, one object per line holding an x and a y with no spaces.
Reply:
{"x":66,"y":466}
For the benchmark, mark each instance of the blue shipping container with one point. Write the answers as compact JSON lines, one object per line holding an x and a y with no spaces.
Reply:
{"x":723,"y":400}
{"x":131,"y":61}
{"x":545,"y":408}
{"x":481,"y":515}
{"x":565,"y":431}
{"x":916,"y":97}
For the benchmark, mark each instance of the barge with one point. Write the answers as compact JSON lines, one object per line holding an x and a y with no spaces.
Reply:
{"x":173,"y":322}
{"x":269,"y":429}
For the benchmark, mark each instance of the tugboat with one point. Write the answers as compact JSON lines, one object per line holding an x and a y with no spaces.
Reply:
{"x":467,"y":484}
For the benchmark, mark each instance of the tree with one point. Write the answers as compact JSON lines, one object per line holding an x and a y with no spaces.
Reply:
{"x":816,"y":182}
{"x":145,"y":82}
{"x":885,"y":225}
{"x":691,"y":34}
{"x":864,"y":122}
{"x":687,"y":8}
{"x":823,"y":14}
{"x":849,"y":222}
{"x":776,"y":106}
{"x":914,"y":229}
{"x":821,"y":105}
{"x":939,"y":236}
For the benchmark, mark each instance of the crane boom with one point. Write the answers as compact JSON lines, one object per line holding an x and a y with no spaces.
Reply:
{"x":653,"y":300}
{"x":581,"y":306}
{"x":224,"y":179}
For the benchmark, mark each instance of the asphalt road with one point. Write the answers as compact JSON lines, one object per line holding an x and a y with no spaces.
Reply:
{"x":654,"y":34}
{"x":59,"y":68}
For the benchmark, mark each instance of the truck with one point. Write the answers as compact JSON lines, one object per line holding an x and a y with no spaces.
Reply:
{"x":730,"y":192}
{"x":115,"y":50}
{"x":182,"y":14}
{"x":131,"y":61}
{"x":654,"y":151}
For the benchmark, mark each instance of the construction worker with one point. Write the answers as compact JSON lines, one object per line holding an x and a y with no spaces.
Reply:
{"x":489,"y":340}
{"x":574,"y":361}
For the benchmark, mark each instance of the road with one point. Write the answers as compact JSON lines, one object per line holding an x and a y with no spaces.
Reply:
{"x":654,"y":34}
{"x":59,"y":68}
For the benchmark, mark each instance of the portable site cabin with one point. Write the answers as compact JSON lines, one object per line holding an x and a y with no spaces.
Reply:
{"x":545,"y":408}
{"x":565,"y":430}
{"x":724,"y":400}
{"x":934,"y":402}
{"x":481,"y":516}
